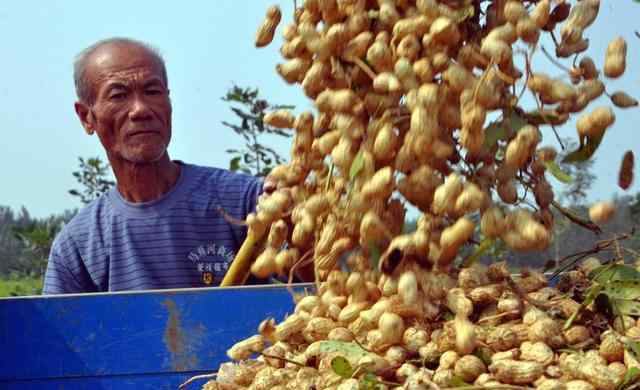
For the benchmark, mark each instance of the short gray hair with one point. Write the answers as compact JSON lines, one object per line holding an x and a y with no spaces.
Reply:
{"x":83,"y":89}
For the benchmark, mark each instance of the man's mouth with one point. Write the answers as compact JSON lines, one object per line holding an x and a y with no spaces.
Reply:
{"x":142,"y":132}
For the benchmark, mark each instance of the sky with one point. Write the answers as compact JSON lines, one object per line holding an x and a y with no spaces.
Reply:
{"x":208,"y":46}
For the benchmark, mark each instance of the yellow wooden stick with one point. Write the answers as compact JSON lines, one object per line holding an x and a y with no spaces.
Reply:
{"x":241,"y":265}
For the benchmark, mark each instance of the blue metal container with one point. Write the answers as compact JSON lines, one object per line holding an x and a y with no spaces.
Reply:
{"x":134,"y":340}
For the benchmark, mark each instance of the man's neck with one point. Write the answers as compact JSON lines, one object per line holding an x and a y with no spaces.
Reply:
{"x":138,"y":183}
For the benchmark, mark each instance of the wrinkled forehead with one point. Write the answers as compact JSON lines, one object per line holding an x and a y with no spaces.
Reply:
{"x":123,"y":63}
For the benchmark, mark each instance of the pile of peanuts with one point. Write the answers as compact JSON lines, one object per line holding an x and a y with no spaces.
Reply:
{"x":403,"y":91}
{"x":491,"y":335}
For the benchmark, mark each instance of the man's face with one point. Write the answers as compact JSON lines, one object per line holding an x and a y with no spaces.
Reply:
{"x":131,"y":112}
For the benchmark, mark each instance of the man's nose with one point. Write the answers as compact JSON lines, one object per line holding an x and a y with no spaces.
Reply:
{"x":140,"y":109}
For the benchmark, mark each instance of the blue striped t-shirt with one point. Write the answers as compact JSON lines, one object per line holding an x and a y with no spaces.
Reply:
{"x":180,"y":240}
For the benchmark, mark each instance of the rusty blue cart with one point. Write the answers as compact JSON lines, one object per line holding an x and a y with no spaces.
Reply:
{"x":134,"y":340}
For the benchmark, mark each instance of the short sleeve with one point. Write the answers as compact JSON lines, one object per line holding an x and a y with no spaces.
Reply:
{"x":66,"y":273}
{"x":236,"y":195}
{"x":254,"y":191}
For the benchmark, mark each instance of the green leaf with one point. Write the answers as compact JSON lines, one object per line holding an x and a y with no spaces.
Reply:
{"x":604,"y":305}
{"x":633,"y":374}
{"x":622,"y":289}
{"x":447,"y":315}
{"x":342,"y":367}
{"x":557,"y":172}
{"x":374,"y":255}
{"x":456,"y":381}
{"x":369,"y":382}
{"x":351,"y":351}
{"x":511,"y":123}
{"x":481,"y":249}
{"x":627,"y":307}
{"x":611,"y":272}
{"x":234,"y":164}
{"x":591,"y":295}
{"x":546,"y":117}
{"x":633,"y":347}
{"x":585,"y":151}
{"x":494,"y":132}
{"x":514,"y":121}
{"x":356,"y":165}
{"x":483,"y":354}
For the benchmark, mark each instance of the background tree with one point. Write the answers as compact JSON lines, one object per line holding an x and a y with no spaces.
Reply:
{"x":25,"y":243}
{"x":36,"y":239}
{"x":93,"y":175}
{"x":256,"y":158}
{"x":634,"y":206}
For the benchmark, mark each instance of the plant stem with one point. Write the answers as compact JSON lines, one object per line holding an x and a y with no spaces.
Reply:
{"x":554,"y":61}
{"x":575,"y":219}
{"x":365,"y":68}
{"x":523,"y":296}
{"x":283,"y":359}
{"x":498,"y":316}
{"x":197,"y":378}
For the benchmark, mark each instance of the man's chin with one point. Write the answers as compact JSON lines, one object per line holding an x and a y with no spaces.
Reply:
{"x":145,"y":155}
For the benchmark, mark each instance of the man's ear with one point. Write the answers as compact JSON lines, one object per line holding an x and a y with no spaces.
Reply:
{"x":86,"y":117}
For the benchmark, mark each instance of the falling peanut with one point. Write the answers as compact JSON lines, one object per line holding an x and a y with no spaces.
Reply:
{"x":267,"y":29}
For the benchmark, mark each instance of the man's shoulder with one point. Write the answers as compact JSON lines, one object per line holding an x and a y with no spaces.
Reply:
{"x":222,"y":179}
{"x":89,"y":217}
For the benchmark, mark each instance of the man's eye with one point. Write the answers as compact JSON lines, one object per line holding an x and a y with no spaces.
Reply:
{"x":154,"y":91}
{"x":117,"y":96}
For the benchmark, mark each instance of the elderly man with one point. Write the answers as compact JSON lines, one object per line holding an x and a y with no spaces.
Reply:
{"x":162,"y":226}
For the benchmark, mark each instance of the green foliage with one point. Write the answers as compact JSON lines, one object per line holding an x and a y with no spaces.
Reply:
{"x":14,"y":285}
{"x":342,"y":367}
{"x":484,"y":354}
{"x":350,"y":351}
{"x":633,"y":347}
{"x":633,"y":374}
{"x":38,"y":236}
{"x":557,"y":172}
{"x":370,"y":382}
{"x":93,"y":175}
{"x":546,"y":117}
{"x":615,"y":289}
{"x":511,"y":122}
{"x":587,"y":148}
{"x":634,"y":205}
{"x":25,"y":243}
{"x":612,"y":273}
{"x":457,"y":381}
{"x":256,"y":158}
{"x":485,"y":246}
{"x":37,"y":239}
{"x":356,"y":165}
